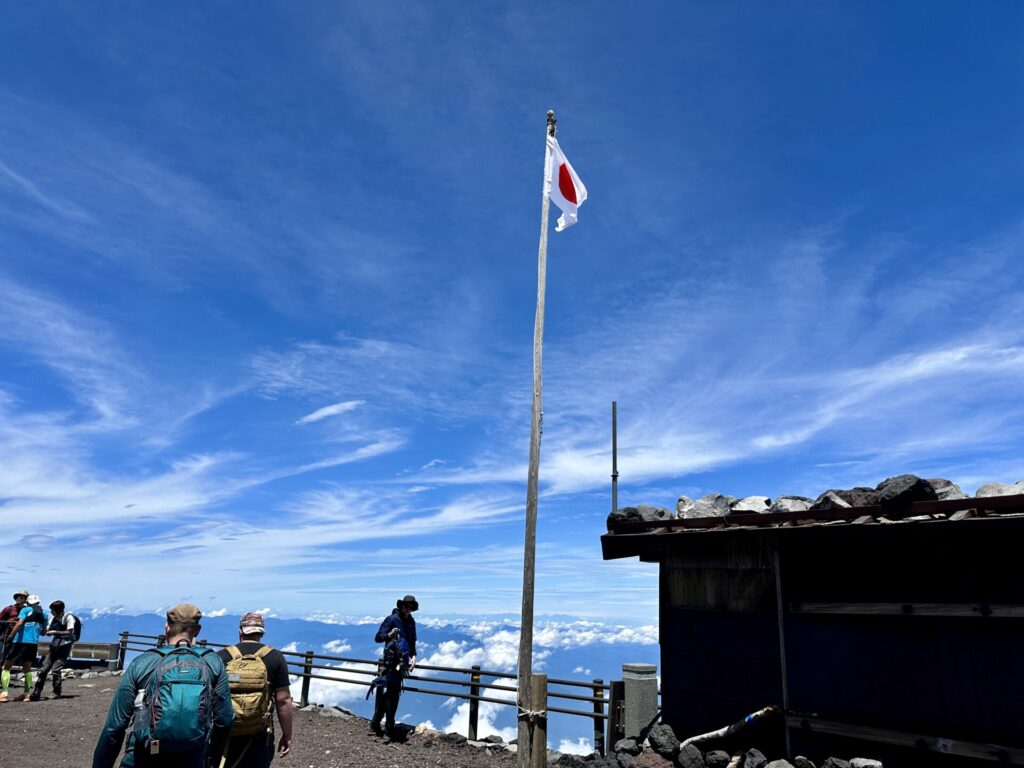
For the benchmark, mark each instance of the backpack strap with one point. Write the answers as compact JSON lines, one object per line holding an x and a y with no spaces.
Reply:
{"x":183,"y":647}
{"x":233,"y":652}
{"x":263,"y":651}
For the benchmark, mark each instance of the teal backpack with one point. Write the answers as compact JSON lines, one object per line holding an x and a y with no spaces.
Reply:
{"x":174,"y":714}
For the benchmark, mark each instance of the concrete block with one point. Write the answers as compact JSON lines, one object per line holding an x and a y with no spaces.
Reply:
{"x":640,"y":683}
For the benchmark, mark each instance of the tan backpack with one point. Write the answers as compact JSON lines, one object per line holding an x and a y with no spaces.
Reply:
{"x":251,"y":697}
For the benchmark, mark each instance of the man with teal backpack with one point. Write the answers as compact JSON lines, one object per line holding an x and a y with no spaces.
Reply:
{"x":177,"y":700}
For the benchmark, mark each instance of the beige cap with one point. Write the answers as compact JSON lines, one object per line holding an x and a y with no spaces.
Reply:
{"x":21,"y":593}
{"x":184,"y":613}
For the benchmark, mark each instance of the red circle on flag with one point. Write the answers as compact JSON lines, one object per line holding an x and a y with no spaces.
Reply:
{"x":565,"y":185}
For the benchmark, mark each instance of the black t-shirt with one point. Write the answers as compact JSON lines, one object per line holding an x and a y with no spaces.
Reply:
{"x":277,"y":666}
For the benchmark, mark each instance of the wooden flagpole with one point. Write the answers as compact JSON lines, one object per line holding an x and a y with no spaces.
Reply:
{"x":525,"y":693}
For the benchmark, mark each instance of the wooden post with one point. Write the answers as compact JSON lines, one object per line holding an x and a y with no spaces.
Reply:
{"x":307,"y":670}
{"x":782,"y":646}
{"x":616,"y":702}
{"x":122,"y":650}
{"x":202,"y":643}
{"x":474,"y":702}
{"x":539,"y":744}
{"x":598,"y":720}
{"x":525,"y":699}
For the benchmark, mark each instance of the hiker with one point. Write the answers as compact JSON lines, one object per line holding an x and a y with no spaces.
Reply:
{"x":258,"y":679}
{"x":398,"y":630}
{"x":24,"y":645}
{"x":64,"y":628}
{"x":194,"y":679}
{"x":8,"y":618}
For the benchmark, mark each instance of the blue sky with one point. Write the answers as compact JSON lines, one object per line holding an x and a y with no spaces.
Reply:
{"x":268,"y":277}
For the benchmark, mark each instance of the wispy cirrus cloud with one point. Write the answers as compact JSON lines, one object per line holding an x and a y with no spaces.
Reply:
{"x":330,"y":410}
{"x":710,"y":380}
{"x":85,"y":353}
{"x":392,"y":374}
{"x":31,"y":190}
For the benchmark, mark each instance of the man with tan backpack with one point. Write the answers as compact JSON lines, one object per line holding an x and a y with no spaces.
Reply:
{"x":258,"y":678}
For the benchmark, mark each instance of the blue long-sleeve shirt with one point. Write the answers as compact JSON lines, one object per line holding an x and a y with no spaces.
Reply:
{"x":122,"y":708}
{"x":406,"y":627}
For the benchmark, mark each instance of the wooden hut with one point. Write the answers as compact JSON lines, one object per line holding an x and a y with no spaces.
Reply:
{"x":895,"y":633}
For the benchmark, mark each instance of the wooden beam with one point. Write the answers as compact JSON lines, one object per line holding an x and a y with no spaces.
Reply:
{"x":1004,"y":755}
{"x":969,"y":610}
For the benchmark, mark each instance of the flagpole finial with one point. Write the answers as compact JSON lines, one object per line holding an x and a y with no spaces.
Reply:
{"x":551,"y":122}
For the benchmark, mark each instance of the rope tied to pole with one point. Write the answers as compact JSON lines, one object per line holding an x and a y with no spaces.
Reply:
{"x":531,"y":715}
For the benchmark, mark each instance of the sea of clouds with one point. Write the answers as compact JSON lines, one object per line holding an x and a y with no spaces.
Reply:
{"x":564,"y":648}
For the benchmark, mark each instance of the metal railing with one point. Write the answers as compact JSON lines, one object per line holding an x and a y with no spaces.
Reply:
{"x":471,"y":686}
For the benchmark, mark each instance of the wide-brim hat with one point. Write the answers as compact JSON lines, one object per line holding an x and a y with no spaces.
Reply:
{"x":21,"y":593}
{"x":409,"y":601}
{"x":33,"y":600}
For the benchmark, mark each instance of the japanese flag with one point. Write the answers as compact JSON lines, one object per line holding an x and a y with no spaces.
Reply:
{"x":564,"y":187}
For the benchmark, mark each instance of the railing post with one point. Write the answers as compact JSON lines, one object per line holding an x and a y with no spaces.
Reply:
{"x":202,"y":643}
{"x":598,"y":720}
{"x":307,"y":670}
{"x":474,"y":701}
{"x":616,"y":700}
{"x":159,"y":641}
{"x":539,"y":740}
{"x":122,"y":650}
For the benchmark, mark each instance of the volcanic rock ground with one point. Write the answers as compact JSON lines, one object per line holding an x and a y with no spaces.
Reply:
{"x":62,"y":732}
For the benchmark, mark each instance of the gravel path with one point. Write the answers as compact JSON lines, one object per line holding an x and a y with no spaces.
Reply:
{"x":62,"y":732}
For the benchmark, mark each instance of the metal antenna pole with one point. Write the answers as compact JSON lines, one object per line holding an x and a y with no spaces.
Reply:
{"x":615,"y":457}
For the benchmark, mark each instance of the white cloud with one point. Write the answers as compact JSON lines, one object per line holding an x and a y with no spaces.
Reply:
{"x":400,"y":374}
{"x":51,"y":202}
{"x":330,"y":410}
{"x":501,"y":642}
{"x":338,"y":691}
{"x":337,"y":646}
{"x":581,"y":746}
{"x":455,"y":653}
{"x":217,"y":613}
{"x":486,"y":719}
{"x":82,"y":351}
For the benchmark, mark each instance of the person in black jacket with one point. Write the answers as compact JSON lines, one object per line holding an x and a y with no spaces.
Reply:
{"x":400,"y":623}
{"x":62,"y":631}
